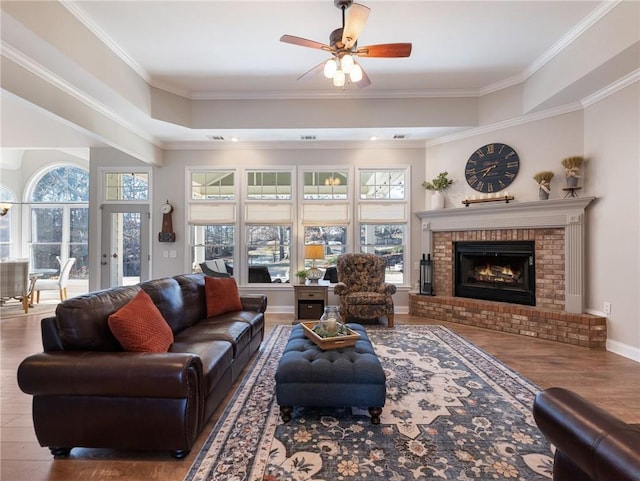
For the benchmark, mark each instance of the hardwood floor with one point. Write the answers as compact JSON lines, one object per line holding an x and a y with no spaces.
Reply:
{"x":606,"y":379}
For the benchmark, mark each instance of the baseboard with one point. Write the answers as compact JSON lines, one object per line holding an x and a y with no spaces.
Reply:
{"x":625,"y":350}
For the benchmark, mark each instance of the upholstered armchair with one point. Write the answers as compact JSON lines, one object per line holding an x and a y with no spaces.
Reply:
{"x":361,"y":288}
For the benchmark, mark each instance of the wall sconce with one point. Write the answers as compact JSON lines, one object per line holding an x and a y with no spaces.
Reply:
{"x":4,"y":208}
{"x":314,"y":251}
{"x":426,"y":272}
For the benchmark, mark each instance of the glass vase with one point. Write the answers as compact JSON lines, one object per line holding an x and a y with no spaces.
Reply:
{"x":331,"y":318}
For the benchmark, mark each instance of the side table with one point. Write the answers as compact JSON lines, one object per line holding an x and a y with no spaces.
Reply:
{"x":310,"y":300}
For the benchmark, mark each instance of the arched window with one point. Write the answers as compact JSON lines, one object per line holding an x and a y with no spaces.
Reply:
{"x":59,"y":215}
{"x":5,"y":224}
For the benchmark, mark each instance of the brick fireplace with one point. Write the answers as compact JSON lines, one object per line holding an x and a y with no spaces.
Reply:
{"x":556,"y":228}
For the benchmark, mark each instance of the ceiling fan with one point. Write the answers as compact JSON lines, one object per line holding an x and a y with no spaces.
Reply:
{"x":343,"y":46}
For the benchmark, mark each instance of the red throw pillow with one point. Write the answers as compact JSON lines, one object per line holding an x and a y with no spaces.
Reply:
{"x":140,"y":327}
{"x":222,"y":295}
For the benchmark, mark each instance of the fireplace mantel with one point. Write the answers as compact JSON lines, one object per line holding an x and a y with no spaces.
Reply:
{"x":559,"y":213}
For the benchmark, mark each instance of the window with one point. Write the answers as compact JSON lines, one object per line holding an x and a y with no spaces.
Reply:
{"x":60,"y":220}
{"x":268,"y":253}
{"x":333,"y":237}
{"x":382,"y":184}
{"x":268,"y":185}
{"x":325,"y":185}
{"x":209,"y":242}
{"x":388,"y":241}
{"x":213,"y":185}
{"x":5,"y":224}
{"x":126,"y":186}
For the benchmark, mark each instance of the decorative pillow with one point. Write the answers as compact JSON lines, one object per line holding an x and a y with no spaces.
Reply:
{"x":139,"y":326}
{"x":222,"y":295}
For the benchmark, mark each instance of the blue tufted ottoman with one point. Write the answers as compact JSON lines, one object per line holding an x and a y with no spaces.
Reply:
{"x":309,"y":376}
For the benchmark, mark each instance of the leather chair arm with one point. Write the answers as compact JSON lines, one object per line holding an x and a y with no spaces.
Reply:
{"x":601,"y":445}
{"x":126,"y":374}
{"x":340,"y":289}
{"x":254,"y":302}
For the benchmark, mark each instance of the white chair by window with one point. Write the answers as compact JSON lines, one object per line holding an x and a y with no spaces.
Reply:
{"x":59,"y":284}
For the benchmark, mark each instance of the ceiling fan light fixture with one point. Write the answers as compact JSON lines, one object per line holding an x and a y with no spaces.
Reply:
{"x":347,"y":63}
{"x":356,"y":73}
{"x":330,"y":68}
{"x":339,"y":79}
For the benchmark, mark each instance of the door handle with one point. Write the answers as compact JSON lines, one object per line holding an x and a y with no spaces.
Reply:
{"x":115,"y":256}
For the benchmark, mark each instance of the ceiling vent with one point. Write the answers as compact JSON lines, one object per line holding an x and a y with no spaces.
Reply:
{"x":400,"y":136}
{"x":216,"y":137}
{"x":307,"y":137}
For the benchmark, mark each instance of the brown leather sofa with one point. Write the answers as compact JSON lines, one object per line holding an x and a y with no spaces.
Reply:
{"x":591,"y":444}
{"x":88,"y":392}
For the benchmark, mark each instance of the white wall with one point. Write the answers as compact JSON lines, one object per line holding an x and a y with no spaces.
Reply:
{"x":612,"y":147}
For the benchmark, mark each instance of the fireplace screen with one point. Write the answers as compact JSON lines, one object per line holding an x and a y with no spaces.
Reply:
{"x":497,"y":271}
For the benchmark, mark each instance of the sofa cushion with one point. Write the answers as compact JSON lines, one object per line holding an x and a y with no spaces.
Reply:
{"x":167,"y":296}
{"x":216,"y":356}
{"x":194,"y":300}
{"x":221,"y":329}
{"x":140,"y":327}
{"x":222,"y":295}
{"x":81,"y":322}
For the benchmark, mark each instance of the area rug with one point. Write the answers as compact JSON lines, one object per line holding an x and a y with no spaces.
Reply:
{"x":453,"y":412}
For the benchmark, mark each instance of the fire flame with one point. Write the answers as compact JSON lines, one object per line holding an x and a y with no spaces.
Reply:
{"x":487,"y":271}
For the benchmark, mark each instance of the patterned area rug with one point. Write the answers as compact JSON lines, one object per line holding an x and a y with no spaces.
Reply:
{"x":453,"y":412}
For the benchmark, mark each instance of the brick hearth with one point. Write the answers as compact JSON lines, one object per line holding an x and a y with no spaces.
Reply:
{"x":557,"y":229}
{"x":578,"y":329}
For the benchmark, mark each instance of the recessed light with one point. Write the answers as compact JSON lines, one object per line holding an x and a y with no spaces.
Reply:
{"x":234,"y":139}
{"x":373,"y":138}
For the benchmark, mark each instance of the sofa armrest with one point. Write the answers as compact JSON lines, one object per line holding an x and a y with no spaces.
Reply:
{"x":254,"y":302}
{"x":124,"y":374}
{"x":599,"y":444}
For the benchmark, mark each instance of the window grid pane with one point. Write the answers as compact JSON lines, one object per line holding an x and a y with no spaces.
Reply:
{"x":126,"y":186}
{"x":384,"y":184}
{"x":325,"y":185}
{"x":268,"y":250}
{"x":387,"y":241}
{"x":270,"y":185}
{"x":334,"y":237}
{"x":218,"y":185}
{"x":209,"y":242}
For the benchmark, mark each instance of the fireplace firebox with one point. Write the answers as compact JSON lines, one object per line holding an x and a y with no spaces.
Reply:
{"x":496,"y":271}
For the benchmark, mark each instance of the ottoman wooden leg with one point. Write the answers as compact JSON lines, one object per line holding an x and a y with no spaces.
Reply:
{"x":285,"y":413}
{"x":375,"y":415}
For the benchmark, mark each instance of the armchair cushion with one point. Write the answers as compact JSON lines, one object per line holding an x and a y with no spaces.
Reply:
{"x":222,"y":295}
{"x":139,"y":326}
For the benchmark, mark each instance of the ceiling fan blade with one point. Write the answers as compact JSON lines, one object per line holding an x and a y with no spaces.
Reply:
{"x":354,"y":24}
{"x":304,"y":42}
{"x":385,"y":50}
{"x":318,"y":69}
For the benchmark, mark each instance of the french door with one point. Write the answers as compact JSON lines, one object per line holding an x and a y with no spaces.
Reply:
{"x":124,"y":259}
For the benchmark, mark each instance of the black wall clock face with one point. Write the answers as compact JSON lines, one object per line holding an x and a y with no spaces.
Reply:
{"x":492,"y":168}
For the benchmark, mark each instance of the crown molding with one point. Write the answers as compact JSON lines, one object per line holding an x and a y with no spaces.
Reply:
{"x":611,"y":89}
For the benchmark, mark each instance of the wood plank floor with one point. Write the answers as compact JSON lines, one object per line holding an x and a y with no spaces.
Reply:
{"x":610,"y":381}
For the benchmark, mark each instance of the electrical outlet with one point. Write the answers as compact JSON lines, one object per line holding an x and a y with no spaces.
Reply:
{"x":607,"y":308}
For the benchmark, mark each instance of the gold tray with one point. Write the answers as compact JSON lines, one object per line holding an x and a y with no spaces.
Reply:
{"x":326,"y":343}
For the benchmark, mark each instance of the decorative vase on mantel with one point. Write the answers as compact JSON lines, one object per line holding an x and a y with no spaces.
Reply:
{"x":572,"y":170}
{"x":544,"y":184}
{"x":438,"y":185}
{"x":437,"y":200}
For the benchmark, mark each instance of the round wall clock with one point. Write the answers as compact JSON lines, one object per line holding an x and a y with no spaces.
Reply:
{"x":492,"y":168}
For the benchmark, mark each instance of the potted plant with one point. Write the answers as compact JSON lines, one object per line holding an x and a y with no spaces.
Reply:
{"x":301,"y":275}
{"x":544,"y":183}
{"x":572,"y":169}
{"x":438,"y":184}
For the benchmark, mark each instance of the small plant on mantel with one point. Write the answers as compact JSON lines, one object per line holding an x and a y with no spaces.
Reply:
{"x":440,"y":183}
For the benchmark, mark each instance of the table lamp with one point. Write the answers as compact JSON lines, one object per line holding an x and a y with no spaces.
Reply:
{"x":314,"y":251}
